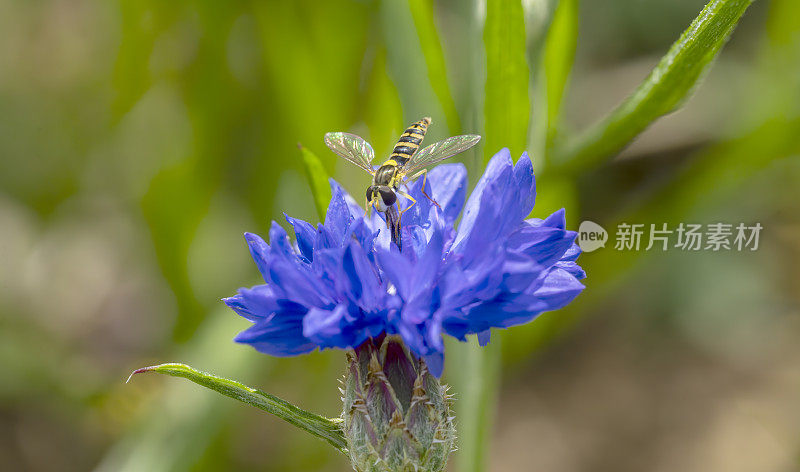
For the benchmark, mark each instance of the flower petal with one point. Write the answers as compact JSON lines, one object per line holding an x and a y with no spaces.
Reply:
{"x":329,"y":328}
{"x":305,"y":235}
{"x":545,"y":245}
{"x":259,"y":250}
{"x":338,"y":217}
{"x":236,"y":303}
{"x":498,"y":170}
{"x":449,"y":185}
{"x":355,"y":209}
{"x":279,"y":335}
{"x":363,"y":284}
{"x":572,"y":253}
{"x":280,"y":246}
{"x":398,"y":270}
{"x":484,"y":337}
{"x":299,"y":284}
{"x":558,"y":289}
{"x":435,"y":362}
{"x":525,"y":187}
{"x":573,"y":268}
{"x":261,"y":301}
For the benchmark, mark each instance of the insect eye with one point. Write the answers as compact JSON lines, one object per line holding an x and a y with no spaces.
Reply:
{"x":388,"y":196}
{"x":370,"y":192}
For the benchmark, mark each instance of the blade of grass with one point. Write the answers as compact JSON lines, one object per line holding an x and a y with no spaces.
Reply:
{"x":558,"y":58}
{"x":422,"y":12}
{"x":317,"y":179}
{"x":507,"y":106}
{"x":672,"y":80}
{"x":324,"y":428}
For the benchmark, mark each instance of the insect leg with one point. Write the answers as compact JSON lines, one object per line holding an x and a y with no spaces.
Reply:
{"x":413,"y":202}
{"x":424,"y":174}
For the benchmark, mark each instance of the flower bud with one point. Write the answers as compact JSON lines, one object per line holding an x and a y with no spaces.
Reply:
{"x":397,"y":416}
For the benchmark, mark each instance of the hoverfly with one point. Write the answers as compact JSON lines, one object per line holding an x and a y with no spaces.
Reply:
{"x":406,"y":163}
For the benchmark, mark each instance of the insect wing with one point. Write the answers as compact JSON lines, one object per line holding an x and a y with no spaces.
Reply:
{"x":352,"y":148}
{"x":440,"y":151}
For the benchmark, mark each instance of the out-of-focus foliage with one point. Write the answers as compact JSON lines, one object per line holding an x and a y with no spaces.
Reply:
{"x":140,"y":139}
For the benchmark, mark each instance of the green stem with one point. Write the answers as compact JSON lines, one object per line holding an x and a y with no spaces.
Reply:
{"x":325,"y":428}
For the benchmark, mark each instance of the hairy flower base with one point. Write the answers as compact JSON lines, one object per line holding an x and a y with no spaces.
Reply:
{"x":397,"y":416}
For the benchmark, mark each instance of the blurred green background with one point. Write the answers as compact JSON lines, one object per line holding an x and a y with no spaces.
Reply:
{"x":139,"y":139}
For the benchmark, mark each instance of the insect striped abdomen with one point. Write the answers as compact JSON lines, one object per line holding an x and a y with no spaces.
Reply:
{"x":409,"y":141}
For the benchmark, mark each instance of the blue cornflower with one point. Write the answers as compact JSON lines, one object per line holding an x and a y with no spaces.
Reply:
{"x":343,"y":282}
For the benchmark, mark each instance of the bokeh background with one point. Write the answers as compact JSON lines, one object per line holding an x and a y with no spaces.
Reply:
{"x":140,"y":139}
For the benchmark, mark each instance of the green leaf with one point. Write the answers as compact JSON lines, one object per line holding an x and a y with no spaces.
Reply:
{"x":507,"y":107}
{"x":318,"y":180}
{"x":422,"y":12}
{"x":663,"y":91}
{"x":324,"y":428}
{"x":558,"y":57}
